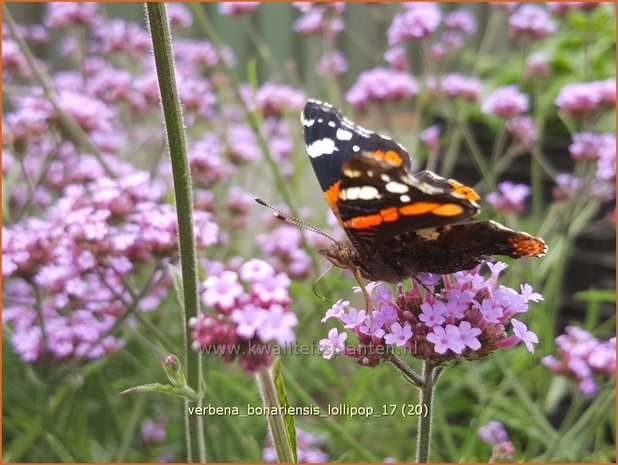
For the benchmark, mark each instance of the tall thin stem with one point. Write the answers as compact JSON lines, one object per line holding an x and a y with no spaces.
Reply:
{"x":423,"y":439}
{"x":174,"y":125}
{"x":276,"y":421}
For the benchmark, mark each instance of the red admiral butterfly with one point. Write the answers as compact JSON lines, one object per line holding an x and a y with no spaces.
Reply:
{"x":399,"y":223}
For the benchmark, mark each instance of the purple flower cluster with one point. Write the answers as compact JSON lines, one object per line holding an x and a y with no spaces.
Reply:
{"x":596,"y":147}
{"x":238,"y":8}
{"x":332,"y":64}
{"x":583,"y":99}
{"x":396,"y":58}
{"x":284,"y":244}
{"x":154,"y":430}
{"x":468,"y":319}
{"x":455,"y":85}
{"x":567,"y":187}
{"x":506,"y":102}
{"x":67,"y":273}
{"x":276,"y":99}
{"x":583,"y":358}
{"x":320,"y":18}
{"x":537,"y":66}
{"x":381,"y":85}
{"x":430,"y":137}
{"x":248,"y":309}
{"x":494,"y":434}
{"x":67,"y":14}
{"x":531,"y":22}
{"x":562,"y":8}
{"x":461,"y":20}
{"x":307,"y":447}
{"x":417,"y":21}
{"x":524,"y":129}
{"x":510,"y":199}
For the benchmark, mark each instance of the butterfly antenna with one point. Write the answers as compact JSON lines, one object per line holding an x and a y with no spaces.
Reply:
{"x":281,"y":215}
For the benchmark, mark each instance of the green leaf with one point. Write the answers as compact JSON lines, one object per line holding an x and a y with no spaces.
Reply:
{"x":60,"y":449}
{"x":290,"y":428}
{"x":597,"y":295}
{"x":185,"y":393}
{"x":177,"y":278}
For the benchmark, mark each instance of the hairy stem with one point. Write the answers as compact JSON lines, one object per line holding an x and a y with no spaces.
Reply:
{"x":423,"y":441}
{"x":174,"y":125}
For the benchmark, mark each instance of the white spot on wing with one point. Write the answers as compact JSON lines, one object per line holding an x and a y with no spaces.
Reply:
{"x":332,"y":124}
{"x":351,"y":193}
{"x":321,"y":147}
{"x":343,"y":134}
{"x":307,"y":122}
{"x":385,"y":177}
{"x":356,"y":148}
{"x":405,"y":198}
{"x":396,"y":187}
{"x":368,"y":193}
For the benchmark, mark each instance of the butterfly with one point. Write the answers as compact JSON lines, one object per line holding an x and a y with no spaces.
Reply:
{"x":398,"y":223}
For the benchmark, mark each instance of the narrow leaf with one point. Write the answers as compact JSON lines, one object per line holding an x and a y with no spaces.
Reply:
{"x":290,"y":427}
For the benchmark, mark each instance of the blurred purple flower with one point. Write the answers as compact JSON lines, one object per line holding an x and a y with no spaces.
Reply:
{"x":606,"y":165}
{"x":14,"y":63}
{"x":275,"y":99}
{"x":396,"y":58}
{"x":65,"y":14}
{"x":509,"y":7}
{"x":455,"y":85}
{"x":531,"y":21}
{"x":334,"y":63}
{"x":120,"y":36}
{"x":524,"y":129}
{"x":587,"y":145}
{"x":382,"y":85}
{"x":319,"y":21}
{"x":537,"y":66}
{"x":179,"y":15}
{"x":461,"y":20}
{"x":511,"y":197}
{"x":561,"y":8}
{"x":567,"y":186}
{"x":306,"y":445}
{"x":417,"y":22}
{"x":430,"y":137}
{"x":208,"y":165}
{"x":583,"y":358}
{"x":581,"y":99}
{"x":506,"y":102}
{"x":493,"y":433}
{"x":153,"y":430}
{"x":237,"y":8}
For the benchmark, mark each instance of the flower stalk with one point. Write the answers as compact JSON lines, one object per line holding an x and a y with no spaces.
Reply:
{"x":174,"y":125}
{"x":276,"y":421}
{"x":423,"y":440}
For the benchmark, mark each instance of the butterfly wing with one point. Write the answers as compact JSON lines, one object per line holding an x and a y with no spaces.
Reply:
{"x":377,"y":200}
{"x":332,"y":140}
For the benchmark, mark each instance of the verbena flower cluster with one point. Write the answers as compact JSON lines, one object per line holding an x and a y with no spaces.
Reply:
{"x":466,"y":316}
{"x":583,"y":358}
{"x":245,"y":311}
{"x":494,"y":434}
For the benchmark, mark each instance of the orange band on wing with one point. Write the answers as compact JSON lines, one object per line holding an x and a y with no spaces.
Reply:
{"x":418,"y":208}
{"x":528,"y":246}
{"x":332,"y":195}
{"x":464,"y":191}
{"x":391,"y":157}
{"x":448,"y":209}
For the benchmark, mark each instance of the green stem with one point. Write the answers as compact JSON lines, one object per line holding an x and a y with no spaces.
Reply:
{"x":423,"y":440}
{"x":268,"y":392}
{"x":408,"y":373}
{"x":477,"y":156}
{"x":174,"y":125}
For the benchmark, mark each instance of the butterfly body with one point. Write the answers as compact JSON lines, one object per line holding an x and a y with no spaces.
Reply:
{"x":398,"y":223}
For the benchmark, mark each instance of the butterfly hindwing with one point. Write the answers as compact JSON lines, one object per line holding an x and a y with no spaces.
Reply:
{"x":377,"y":200}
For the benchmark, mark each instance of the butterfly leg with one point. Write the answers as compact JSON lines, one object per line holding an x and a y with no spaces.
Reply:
{"x":359,"y":280}
{"x":430,"y":291}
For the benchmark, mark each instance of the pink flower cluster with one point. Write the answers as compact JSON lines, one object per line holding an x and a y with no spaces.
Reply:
{"x":381,"y":85}
{"x":596,"y":147}
{"x":417,"y":21}
{"x":506,"y":102}
{"x":584,"y":99}
{"x":237,"y":8}
{"x":583,"y":358}
{"x":494,"y":434}
{"x":531,"y":22}
{"x":320,"y":18}
{"x":455,"y":85}
{"x":510,"y":198}
{"x":68,"y":272}
{"x":247,"y":310}
{"x":284,"y":245}
{"x":468,"y":318}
